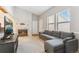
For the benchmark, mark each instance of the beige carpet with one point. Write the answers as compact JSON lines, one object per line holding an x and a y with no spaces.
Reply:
{"x":28,"y":45}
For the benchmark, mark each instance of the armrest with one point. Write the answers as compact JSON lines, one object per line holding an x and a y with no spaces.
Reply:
{"x":71,"y":46}
{"x":67,"y":38}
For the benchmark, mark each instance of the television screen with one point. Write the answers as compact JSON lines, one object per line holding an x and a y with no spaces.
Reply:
{"x":8,"y":26}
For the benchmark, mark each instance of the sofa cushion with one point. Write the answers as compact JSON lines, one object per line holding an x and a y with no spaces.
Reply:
{"x":54,"y":46}
{"x":55,"y":42}
{"x":45,"y":32}
{"x":67,"y":38}
{"x":56,"y":34}
{"x":48,"y":37}
{"x":65,"y":34}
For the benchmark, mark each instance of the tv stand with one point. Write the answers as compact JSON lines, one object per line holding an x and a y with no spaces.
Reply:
{"x":9,"y":45}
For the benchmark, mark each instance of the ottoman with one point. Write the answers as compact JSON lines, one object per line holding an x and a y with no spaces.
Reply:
{"x":54,"y":46}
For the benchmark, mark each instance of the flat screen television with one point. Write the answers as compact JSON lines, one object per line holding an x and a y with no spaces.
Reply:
{"x":8,"y":27}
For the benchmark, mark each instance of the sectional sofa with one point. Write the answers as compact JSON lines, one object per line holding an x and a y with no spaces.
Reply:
{"x":59,"y":42}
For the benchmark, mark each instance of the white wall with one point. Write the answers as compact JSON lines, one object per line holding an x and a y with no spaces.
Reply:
{"x":34,"y":24}
{"x":42,"y":23}
{"x":74,"y":26}
{"x":26,"y":17}
{"x":21,"y":16}
{"x":41,"y":28}
{"x":75,"y":19}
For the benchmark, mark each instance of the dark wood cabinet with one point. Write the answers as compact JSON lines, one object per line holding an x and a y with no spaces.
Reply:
{"x":9,"y":45}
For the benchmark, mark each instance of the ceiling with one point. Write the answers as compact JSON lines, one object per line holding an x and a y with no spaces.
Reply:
{"x":38,"y":10}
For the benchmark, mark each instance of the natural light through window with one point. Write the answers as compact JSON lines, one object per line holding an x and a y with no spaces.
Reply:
{"x":63,"y":22}
{"x":51,"y":22}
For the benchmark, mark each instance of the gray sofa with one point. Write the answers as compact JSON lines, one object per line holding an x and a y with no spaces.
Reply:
{"x":53,"y":39}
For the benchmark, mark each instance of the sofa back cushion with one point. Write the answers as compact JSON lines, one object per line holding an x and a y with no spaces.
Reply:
{"x":65,"y":34}
{"x":52,"y":33}
{"x":56,"y":34}
{"x":47,"y":32}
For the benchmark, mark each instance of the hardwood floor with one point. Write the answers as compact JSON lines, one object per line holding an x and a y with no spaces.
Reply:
{"x":30,"y":45}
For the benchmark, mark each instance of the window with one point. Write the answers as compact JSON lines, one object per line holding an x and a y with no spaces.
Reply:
{"x":59,"y":21}
{"x":63,"y":21}
{"x":51,"y":23}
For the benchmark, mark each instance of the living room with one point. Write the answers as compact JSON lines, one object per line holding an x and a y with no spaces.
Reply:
{"x":30,"y":21}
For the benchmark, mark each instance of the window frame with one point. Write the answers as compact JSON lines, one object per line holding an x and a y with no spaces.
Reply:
{"x":62,"y":22}
{"x":51,"y":23}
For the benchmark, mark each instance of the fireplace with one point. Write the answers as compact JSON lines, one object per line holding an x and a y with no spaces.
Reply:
{"x":22,"y":32}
